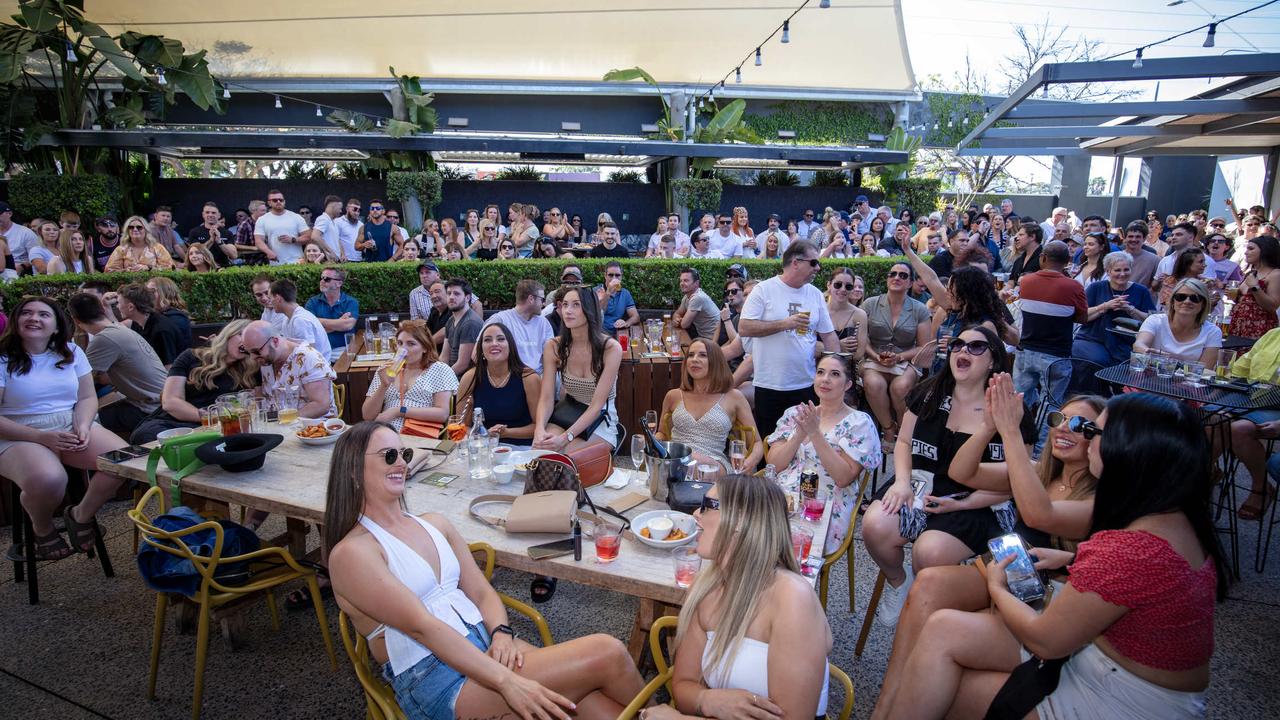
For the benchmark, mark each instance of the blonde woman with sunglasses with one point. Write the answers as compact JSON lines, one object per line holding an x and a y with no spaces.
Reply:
{"x":139,"y":251}
{"x":1183,"y":333}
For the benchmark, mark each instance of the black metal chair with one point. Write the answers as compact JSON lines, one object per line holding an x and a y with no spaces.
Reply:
{"x":25,"y":570}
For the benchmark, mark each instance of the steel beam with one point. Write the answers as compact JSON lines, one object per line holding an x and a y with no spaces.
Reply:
{"x":1064,"y":111}
{"x":1209,"y":66}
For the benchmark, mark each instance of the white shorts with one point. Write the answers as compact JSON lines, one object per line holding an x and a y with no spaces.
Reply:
{"x":59,"y":421}
{"x":1094,"y":686}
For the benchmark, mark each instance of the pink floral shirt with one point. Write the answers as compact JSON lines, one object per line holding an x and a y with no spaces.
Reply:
{"x":304,"y":365}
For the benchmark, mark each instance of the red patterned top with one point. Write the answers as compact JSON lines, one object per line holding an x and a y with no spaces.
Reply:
{"x":1248,"y":318}
{"x":1169,"y":625}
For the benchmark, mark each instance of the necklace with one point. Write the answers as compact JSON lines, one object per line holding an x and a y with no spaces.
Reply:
{"x":495,"y":384}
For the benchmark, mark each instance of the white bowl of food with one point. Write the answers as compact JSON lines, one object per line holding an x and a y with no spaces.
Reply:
{"x":320,"y":432}
{"x":664,"y":528}
{"x":174,"y":432}
{"x":502,"y":473}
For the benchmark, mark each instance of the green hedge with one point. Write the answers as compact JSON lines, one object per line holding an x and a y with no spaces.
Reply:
{"x":382,"y":287}
{"x":46,"y":195}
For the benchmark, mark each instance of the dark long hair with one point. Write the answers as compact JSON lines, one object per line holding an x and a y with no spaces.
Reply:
{"x":515,"y":365}
{"x":1182,"y":266}
{"x":344,"y":496}
{"x":930,"y":394}
{"x":1156,"y":459}
{"x":591,"y":311}
{"x":1268,"y":250}
{"x":12,"y":350}
{"x":976,"y":298}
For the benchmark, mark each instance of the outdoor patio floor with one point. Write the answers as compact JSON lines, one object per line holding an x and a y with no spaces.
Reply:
{"x":83,"y":651}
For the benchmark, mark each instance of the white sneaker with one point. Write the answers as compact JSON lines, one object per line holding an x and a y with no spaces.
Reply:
{"x":892,"y":599}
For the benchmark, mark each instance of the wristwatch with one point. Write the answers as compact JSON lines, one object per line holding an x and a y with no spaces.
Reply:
{"x":404,"y":410}
{"x":503,"y":629}
{"x":569,"y":434}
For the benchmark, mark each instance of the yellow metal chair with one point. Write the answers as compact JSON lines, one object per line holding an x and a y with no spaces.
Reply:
{"x":874,"y":603}
{"x":273,"y":567}
{"x":380,"y":700}
{"x":845,"y":550}
{"x":340,"y":401}
{"x":665,"y":671}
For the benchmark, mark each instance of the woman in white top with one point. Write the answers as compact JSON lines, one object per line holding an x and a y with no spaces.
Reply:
{"x":1184,"y":332}
{"x":421,"y":390}
{"x":47,"y":410}
{"x":703,"y":411}
{"x":867,"y":246}
{"x":409,"y":585}
{"x":1096,"y":248}
{"x":41,"y":255}
{"x":753,"y":638}
{"x":493,"y":213}
{"x":584,"y":362}
{"x":73,"y":254}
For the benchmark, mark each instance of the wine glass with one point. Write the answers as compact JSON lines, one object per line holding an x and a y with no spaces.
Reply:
{"x":637,"y":457}
{"x":738,"y":455}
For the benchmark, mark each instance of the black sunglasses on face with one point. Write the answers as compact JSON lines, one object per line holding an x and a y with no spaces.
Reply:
{"x":331,"y":279}
{"x":1057,"y":419}
{"x":374,"y":208}
{"x":1184,"y":297}
{"x":842,"y":285}
{"x":813,"y":262}
{"x":898,"y":274}
{"x":1078,"y":424}
{"x":808,"y":215}
{"x":724,"y":222}
{"x":613,"y":275}
{"x":731,"y":291}
{"x":390,"y":454}
{"x":972,"y":347}
{"x":709,"y":503}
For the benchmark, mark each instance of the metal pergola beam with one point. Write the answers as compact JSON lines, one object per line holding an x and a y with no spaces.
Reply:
{"x":1226,"y":127}
{"x":1064,"y":111}
{"x":149,"y":140}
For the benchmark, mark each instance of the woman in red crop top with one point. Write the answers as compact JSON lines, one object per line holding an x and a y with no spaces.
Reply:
{"x":1135,"y":621}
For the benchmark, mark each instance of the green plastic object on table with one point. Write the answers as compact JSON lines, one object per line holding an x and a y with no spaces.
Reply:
{"x":179,"y":455}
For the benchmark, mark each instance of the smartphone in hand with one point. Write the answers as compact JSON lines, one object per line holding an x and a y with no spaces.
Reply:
{"x":1024,"y":579}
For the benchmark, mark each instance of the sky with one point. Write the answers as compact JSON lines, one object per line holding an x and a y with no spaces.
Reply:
{"x":938,"y":31}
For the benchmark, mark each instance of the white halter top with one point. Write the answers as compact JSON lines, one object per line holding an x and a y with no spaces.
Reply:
{"x":749,"y":671}
{"x":442,"y":599}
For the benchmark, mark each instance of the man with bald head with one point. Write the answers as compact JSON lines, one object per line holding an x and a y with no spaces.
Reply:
{"x":289,"y":364}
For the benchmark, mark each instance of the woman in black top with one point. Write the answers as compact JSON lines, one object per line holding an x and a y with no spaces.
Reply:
{"x":502,"y":386}
{"x":942,"y":516}
{"x":196,"y":379}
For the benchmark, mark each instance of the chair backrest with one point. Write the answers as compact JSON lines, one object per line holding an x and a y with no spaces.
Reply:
{"x":379,"y":699}
{"x":843,"y":680}
{"x":171,"y":542}
{"x":340,"y":398}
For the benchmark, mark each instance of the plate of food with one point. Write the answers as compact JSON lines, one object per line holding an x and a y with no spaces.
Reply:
{"x":664,"y":528}
{"x":320,"y":432}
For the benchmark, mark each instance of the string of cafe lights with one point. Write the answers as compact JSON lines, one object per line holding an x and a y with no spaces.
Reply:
{"x":1209,"y":40}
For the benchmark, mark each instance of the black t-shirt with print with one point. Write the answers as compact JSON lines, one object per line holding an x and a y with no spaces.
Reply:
{"x":933,"y":445}
{"x":199,"y":396}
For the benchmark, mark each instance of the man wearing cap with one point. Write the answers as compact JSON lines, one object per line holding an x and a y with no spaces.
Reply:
{"x":774,"y":230}
{"x":528,"y":327}
{"x":104,"y":241}
{"x":289,"y":364}
{"x":806,"y":226}
{"x":19,"y":237}
{"x":862,"y":206}
{"x":420,"y":297}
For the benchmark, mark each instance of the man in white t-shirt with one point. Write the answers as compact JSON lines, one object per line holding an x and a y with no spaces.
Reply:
{"x":784,"y":316}
{"x":724,"y":243}
{"x":806,"y":226}
{"x":1181,"y":237}
{"x":326,"y":225}
{"x":528,"y":327}
{"x":281,"y":233}
{"x":261,"y":287}
{"x":349,"y":226}
{"x":20,"y":237}
{"x":299,"y":322}
{"x":673,"y":229}
{"x":775,"y":231}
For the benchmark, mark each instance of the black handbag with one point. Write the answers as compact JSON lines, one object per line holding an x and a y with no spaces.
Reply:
{"x":567,"y":411}
{"x":686,"y":495}
{"x":1028,"y":684}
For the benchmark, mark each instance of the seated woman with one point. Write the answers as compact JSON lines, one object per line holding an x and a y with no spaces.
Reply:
{"x":832,"y":438}
{"x":944,"y":412}
{"x":544,"y":249}
{"x":897,"y":329}
{"x":1190,"y":263}
{"x":507,"y":250}
{"x":753,"y":639}
{"x":867,"y":246}
{"x":421,"y":390}
{"x":1116,"y":298}
{"x":704,"y":410}
{"x":138,"y":251}
{"x":169,"y":303}
{"x":312,"y":254}
{"x":73,"y":254}
{"x":47,"y":410}
{"x":1248,"y":432}
{"x":1185,"y":331}
{"x":197,"y":378}
{"x":1054,"y":499}
{"x":199,"y":259}
{"x":440,"y":630}
{"x":501,"y":385}
{"x":583,"y":362}
{"x":1091,"y":270}
{"x":485,"y":246}
{"x":1134,"y":623}
{"x":409,"y":251}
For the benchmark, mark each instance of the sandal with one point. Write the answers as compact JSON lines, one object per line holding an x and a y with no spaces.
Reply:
{"x":541,"y":589}
{"x":300,"y":598}
{"x":81,"y":534}
{"x":1256,"y":511}
{"x":48,"y":547}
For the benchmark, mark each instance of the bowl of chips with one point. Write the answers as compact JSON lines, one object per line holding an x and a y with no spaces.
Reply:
{"x":650,"y":525}
{"x":321,"y":432}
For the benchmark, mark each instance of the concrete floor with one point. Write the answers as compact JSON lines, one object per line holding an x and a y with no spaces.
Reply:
{"x":83,"y":651}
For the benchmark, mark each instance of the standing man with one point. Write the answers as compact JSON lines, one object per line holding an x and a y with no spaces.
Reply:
{"x":336,"y":311}
{"x":326,"y":226}
{"x":105,"y":241}
{"x":862,"y":206}
{"x":261,"y":287}
{"x":122,"y":358}
{"x":349,"y":228}
{"x":162,"y":228}
{"x":724,"y":243}
{"x":1059,"y":215}
{"x":299,"y":323}
{"x":245,"y":242}
{"x":375,"y":237}
{"x":528,"y":327}
{"x":20,"y":238}
{"x":289,"y":364}
{"x":775,"y":231}
{"x":784,"y":316}
{"x":610,"y":243}
{"x":807,"y":225}
{"x":673,"y":229}
{"x":1027,"y":243}
{"x":137,"y":305}
{"x":1143,"y":259}
{"x":620,"y":308}
{"x":463,"y":328}
{"x":398,"y":234}
{"x":217,"y":240}
{"x":697,"y":310}
{"x":280,"y":233}
{"x":1181,"y":237}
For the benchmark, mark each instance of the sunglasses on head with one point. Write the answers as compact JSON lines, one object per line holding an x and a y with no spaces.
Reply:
{"x":899,"y":274}
{"x":709,"y":503}
{"x":972,"y":347}
{"x":1084,"y":427}
{"x":1185,"y":297}
{"x":390,"y":455}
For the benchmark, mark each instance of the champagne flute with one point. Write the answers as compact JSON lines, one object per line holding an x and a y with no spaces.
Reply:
{"x":638,"y":446}
{"x":738,"y":455}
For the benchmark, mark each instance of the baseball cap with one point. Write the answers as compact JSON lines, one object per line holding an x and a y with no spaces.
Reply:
{"x":861,"y":199}
{"x":105,"y":218}
{"x":4,"y":207}
{"x":570,"y":271}
{"x":844,"y":215}
{"x":428,"y":265}
{"x":737,"y":268}
{"x":775,"y":216}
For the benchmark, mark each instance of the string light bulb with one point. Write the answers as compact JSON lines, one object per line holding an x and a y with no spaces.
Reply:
{"x":1137,"y":61}
{"x":1044,"y":91}
{"x":786,"y":31}
{"x":318,"y":113}
{"x":160,"y":78}
{"x":935,"y":124}
{"x":1213,"y":31}
{"x":951,"y":123}
{"x":71,"y":53}
{"x":759,"y":59}
{"x":278,"y":103}
{"x":738,"y":75}
{"x":226,"y":93}
{"x":379,"y":123}
{"x":824,"y":4}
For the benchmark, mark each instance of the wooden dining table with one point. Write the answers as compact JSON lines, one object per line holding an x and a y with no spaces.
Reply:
{"x":293,"y":479}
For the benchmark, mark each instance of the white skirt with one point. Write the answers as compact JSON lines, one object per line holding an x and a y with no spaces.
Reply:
{"x":1094,"y":686}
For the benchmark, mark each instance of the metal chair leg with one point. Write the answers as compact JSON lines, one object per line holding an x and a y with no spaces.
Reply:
{"x":871,"y":613}
{"x":848,"y":557}
{"x":157,"y":636}
{"x":202,"y":655}
{"x":29,"y":533}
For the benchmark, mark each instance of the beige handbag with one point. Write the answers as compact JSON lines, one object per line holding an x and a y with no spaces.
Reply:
{"x":550,"y":511}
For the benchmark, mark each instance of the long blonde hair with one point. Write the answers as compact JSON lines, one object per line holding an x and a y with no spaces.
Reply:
{"x":214,"y":361}
{"x":753,"y":542}
{"x":69,"y":256}
{"x":203,"y":251}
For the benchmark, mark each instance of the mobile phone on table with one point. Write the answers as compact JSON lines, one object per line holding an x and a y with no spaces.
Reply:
{"x":553,"y":549}
{"x":1024,"y":579}
{"x":121,"y":455}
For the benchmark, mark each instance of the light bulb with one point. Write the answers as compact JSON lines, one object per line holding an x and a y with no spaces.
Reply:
{"x":1213,"y":31}
{"x":738,"y":75}
{"x":71,"y":52}
{"x":1044,"y":91}
{"x":226,"y":93}
{"x":824,"y":4}
{"x":950,"y":123}
{"x":759,"y":60}
{"x":935,"y":124}
{"x":318,"y":113}
{"x":160,"y":77}
{"x":278,"y":103}
{"x":1137,"y":61}
{"x":786,"y":31}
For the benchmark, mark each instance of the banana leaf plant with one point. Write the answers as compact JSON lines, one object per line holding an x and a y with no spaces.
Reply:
{"x":898,"y":139}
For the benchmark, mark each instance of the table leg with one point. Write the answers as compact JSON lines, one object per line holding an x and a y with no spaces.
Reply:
{"x":646,"y":614}
{"x":296,"y":531}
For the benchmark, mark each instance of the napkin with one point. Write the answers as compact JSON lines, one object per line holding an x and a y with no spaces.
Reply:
{"x":617,"y":480}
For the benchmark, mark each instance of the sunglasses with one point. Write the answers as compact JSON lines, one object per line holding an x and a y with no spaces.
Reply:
{"x":374,"y":208}
{"x":257,"y":351}
{"x":555,"y":214}
{"x":1185,"y":297}
{"x":709,"y":503}
{"x":725,"y":222}
{"x":813,"y":262}
{"x":898,"y":274}
{"x":331,"y":279}
{"x":488,"y":229}
{"x":136,"y":227}
{"x":972,"y":347}
{"x":808,"y":215}
{"x":1084,"y":427}
{"x":1217,"y":225}
{"x":618,"y":275}
{"x":506,"y":247}
{"x":275,"y":199}
{"x":842,"y":285}
{"x":1057,"y":420}
{"x":731,"y":291}
{"x":393,"y":217}
{"x":390,"y":455}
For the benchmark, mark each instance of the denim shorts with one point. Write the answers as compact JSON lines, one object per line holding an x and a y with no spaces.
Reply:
{"x":429,"y":690}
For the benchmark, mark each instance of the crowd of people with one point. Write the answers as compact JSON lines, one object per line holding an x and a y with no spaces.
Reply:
{"x":935,"y":376}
